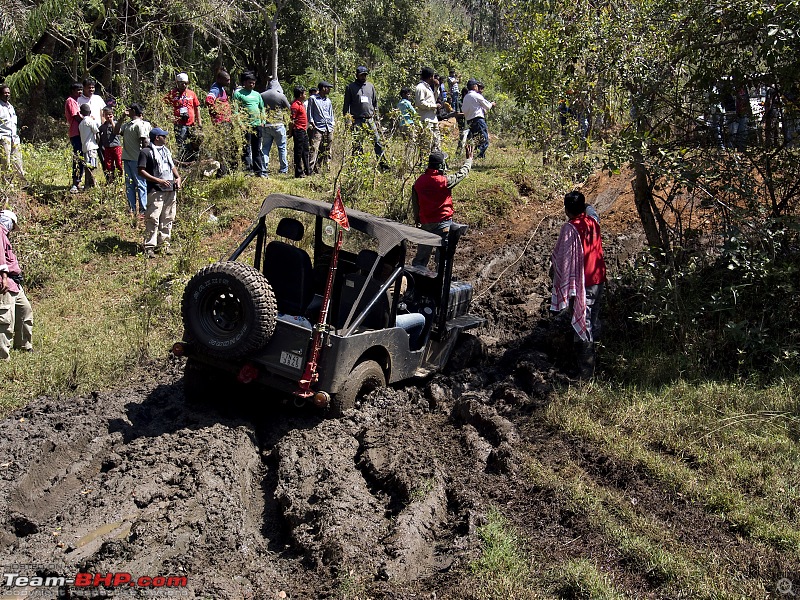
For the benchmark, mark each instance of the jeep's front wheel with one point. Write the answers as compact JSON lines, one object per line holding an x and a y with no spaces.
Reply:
{"x":363,"y":379}
{"x":469,"y":351}
{"x":228,"y":310}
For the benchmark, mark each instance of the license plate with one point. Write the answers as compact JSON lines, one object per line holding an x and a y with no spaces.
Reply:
{"x":291,"y":360}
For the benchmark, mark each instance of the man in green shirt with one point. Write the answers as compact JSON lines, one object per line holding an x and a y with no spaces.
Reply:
{"x":251,"y":105}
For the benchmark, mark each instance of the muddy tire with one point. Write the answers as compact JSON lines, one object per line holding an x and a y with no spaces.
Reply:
{"x":364,"y":378}
{"x":469,"y":351}
{"x":228,"y":310}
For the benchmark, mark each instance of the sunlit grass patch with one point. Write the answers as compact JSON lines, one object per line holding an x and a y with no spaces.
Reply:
{"x":730,"y":447}
{"x":581,"y":578}
{"x":637,"y":541}
{"x":503,"y":568}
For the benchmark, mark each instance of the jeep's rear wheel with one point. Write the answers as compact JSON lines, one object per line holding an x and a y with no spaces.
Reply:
{"x":363,"y":379}
{"x":228,"y":310}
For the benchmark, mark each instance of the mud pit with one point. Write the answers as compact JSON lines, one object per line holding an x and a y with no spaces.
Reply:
{"x":277,"y":502}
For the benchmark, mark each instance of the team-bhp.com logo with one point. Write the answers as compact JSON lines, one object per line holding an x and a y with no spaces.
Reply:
{"x":117,"y":580}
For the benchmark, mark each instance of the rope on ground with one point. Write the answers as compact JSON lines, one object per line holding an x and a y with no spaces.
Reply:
{"x":524,"y":249}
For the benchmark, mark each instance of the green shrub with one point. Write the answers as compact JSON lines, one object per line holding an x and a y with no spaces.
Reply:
{"x":735,"y":312}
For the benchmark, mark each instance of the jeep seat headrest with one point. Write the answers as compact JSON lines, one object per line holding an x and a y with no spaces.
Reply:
{"x":290,"y":228}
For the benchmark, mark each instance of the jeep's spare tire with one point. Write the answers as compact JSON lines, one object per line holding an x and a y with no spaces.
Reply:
{"x":228,"y":310}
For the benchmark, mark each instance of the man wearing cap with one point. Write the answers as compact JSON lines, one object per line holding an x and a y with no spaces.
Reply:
{"x":186,"y":109}
{"x":475,"y":106}
{"x":163,"y":180}
{"x":425,"y":101}
{"x":16,"y":314}
{"x":275,"y":105}
{"x":361,"y":103}
{"x":432,"y":201}
{"x":320,"y":123}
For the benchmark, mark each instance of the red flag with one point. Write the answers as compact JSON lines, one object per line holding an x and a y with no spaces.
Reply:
{"x":338,"y":213}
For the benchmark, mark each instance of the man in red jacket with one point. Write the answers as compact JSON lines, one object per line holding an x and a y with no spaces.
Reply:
{"x":186,"y":109}
{"x":432,"y":201}
{"x":298,"y":130}
{"x":579,"y":275}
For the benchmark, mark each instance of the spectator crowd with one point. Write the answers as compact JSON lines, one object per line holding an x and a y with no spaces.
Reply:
{"x":121,"y":142}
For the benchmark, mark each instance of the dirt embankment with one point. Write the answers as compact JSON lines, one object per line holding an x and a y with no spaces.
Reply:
{"x":268,"y":501}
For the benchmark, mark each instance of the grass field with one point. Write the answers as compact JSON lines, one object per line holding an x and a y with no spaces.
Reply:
{"x":689,"y":491}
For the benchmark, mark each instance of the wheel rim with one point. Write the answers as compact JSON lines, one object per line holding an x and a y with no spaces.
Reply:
{"x":221,"y":312}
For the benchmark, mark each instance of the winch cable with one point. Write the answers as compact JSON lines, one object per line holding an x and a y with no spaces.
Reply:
{"x":486,"y":290}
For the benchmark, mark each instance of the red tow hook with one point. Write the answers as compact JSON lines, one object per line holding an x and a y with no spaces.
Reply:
{"x":247,"y":374}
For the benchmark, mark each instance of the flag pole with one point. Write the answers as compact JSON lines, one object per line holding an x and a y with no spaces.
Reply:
{"x":310,"y":374}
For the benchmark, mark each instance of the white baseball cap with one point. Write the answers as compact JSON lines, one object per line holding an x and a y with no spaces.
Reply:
{"x":182,"y":77}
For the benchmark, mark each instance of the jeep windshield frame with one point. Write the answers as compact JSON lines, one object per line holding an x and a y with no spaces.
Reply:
{"x":388,"y":233}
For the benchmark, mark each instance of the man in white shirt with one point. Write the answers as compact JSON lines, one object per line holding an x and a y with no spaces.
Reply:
{"x":10,"y":155}
{"x":95,"y":102}
{"x":425,"y":101}
{"x":475,"y":106}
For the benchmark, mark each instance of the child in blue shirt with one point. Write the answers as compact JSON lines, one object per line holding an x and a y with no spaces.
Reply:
{"x":407,"y":112}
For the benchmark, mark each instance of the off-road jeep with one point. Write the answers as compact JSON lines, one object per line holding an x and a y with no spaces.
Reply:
{"x":385,"y":322}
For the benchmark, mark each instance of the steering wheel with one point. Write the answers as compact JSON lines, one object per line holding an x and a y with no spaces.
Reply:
{"x":407,"y":286}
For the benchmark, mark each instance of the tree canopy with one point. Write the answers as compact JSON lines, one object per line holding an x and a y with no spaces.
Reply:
{"x":128,"y":44}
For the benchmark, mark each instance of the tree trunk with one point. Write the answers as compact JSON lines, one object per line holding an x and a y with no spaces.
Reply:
{"x":273,"y":28}
{"x":335,"y":55}
{"x":643,"y":197}
{"x":188,"y":45}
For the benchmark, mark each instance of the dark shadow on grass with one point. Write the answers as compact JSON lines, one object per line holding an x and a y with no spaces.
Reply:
{"x":112,"y":244}
{"x":47,"y":193}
